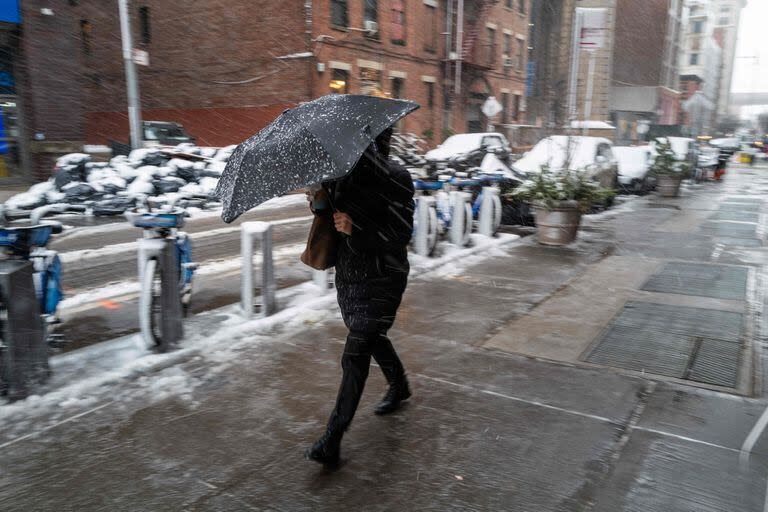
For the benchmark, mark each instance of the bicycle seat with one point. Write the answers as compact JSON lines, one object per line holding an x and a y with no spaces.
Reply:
{"x":157,"y":220}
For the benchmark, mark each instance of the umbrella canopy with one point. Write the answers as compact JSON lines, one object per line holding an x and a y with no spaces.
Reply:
{"x":317,"y":141}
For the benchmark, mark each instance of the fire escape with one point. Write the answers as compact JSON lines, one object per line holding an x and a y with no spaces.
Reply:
{"x":478,"y":47}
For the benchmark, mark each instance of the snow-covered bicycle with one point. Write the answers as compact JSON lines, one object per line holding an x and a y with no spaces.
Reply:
{"x":165,"y":260}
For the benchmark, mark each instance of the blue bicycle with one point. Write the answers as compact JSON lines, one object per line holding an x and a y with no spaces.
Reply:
{"x":162,"y":231}
{"x":30,"y":243}
{"x":443,"y":217}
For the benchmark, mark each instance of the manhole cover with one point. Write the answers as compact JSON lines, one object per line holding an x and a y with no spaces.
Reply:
{"x":696,"y":344}
{"x":736,"y":215}
{"x":716,"y":281}
{"x":730,"y":228}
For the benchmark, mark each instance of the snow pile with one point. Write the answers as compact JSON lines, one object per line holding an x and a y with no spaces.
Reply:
{"x":110,"y":188}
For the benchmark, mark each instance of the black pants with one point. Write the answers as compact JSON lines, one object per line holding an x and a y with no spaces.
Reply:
{"x":355,"y":363}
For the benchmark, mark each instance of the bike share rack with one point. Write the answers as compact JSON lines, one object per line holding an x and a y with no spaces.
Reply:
{"x":165,"y":253}
{"x":250,"y":233}
{"x":424,"y":206}
{"x":25,"y":352}
{"x":490,"y":211}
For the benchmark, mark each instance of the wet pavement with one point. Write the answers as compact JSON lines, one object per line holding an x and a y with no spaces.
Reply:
{"x":506,"y":415}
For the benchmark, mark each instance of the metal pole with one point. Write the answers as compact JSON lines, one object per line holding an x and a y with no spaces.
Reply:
{"x":590,"y":86}
{"x":459,"y":44}
{"x":131,"y":80}
{"x":575,"y":64}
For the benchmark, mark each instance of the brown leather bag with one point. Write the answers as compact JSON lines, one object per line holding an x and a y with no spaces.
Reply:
{"x":322,"y":243}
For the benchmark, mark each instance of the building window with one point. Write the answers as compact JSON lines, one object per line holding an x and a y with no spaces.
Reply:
{"x":522,"y":6}
{"x":85,"y":36}
{"x":398,"y":22}
{"x":504,"y":108}
{"x":430,"y":94}
{"x":508,"y":45}
{"x":430,"y":42}
{"x":509,"y":4}
{"x":339,"y":15}
{"x":339,"y":81}
{"x":520,"y":53}
{"x":491,"y":49}
{"x":698,"y":27}
{"x":146,"y":34}
{"x":371,"y":10}
{"x":397,"y":87}
{"x":694,"y":59}
{"x":725,"y":8}
{"x":725,"y":21}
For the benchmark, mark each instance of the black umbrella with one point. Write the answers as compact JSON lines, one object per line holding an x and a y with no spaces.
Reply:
{"x":317,"y":141}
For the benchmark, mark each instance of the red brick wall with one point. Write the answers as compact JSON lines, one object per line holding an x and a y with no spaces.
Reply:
{"x":211,"y":126}
{"x":641,"y":28}
{"x":212,"y":65}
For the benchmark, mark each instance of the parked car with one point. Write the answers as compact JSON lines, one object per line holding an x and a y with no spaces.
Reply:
{"x":634,"y":164}
{"x":164,"y":133}
{"x":594,"y":155}
{"x":468,"y":150}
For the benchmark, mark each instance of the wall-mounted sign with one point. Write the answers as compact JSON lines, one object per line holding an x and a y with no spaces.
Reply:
{"x":593,"y":24}
{"x":140,"y":57}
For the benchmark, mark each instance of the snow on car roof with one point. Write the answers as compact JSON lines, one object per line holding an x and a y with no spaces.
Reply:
{"x":592,"y":125}
{"x":553,"y":151}
{"x":633,"y":160}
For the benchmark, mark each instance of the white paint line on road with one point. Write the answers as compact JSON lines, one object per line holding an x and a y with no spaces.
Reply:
{"x":518,"y":399}
{"x":89,"y":254}
{"x":128,"y":290}
{"x":595,"y":417}
{"x":57,"y":424}
{"x":684,"y":438}
{"x":753,"y":436}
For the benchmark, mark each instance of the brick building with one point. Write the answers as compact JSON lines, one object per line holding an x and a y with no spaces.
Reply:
{"x":225,"y":68}
{"x":646,"y":67}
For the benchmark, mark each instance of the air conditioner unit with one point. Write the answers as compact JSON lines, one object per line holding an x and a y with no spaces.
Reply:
{"x":509,"y":62}
{"x":371,"y":27}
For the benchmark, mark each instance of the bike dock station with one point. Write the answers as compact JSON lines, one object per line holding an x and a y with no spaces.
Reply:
{"x":261,"y":232}
{"x":24,"y":361}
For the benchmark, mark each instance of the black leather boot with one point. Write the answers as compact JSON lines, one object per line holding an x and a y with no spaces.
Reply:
{"x":397,"y":393}
{"x":326,"y":450}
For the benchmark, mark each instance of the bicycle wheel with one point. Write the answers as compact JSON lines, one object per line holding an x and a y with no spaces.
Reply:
{"x":432,"y":231}
{"x":496,"y":214}
{"x":150,"y":309}
{"x":3,"y":377}
{"x":468,"y":224}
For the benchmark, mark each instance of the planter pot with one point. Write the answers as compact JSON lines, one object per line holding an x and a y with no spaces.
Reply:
{"x":558,"y":225}
{"x":668,"y":186}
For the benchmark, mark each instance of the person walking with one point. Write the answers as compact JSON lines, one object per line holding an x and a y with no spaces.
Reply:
{"x":372,"y":209}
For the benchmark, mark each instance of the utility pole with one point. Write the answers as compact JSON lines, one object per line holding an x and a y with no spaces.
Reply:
{"x":131,"y":80}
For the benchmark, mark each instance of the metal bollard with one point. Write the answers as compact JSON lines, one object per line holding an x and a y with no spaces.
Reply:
{"x":490,"y":211}
{"x":250,"y":231}
{"x":461,"y":227}
{"x":24,"y":360}
{"x":425,"y":203}
{"x":320,"y":278}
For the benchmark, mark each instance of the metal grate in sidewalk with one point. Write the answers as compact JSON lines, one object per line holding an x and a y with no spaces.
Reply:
{"x":702,"y":280}
{"x":695,"y":344}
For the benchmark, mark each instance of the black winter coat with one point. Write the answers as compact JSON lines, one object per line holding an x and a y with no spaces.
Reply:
{"x":372,"y":264}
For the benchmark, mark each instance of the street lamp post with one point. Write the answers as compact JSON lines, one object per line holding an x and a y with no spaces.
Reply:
{"x":131,"y":81}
